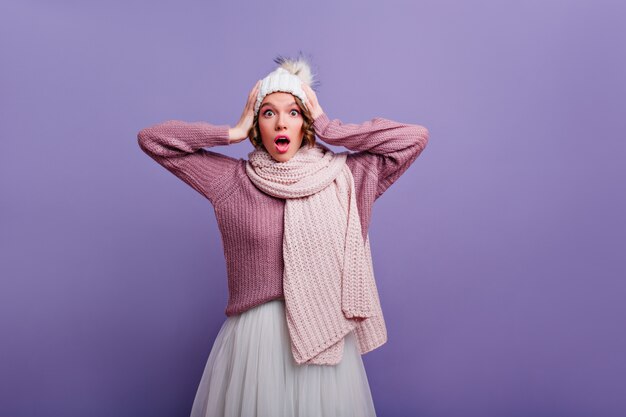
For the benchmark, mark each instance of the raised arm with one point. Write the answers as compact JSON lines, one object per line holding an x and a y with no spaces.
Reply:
{"x":177,"y":146}
{"x":383,"y":147}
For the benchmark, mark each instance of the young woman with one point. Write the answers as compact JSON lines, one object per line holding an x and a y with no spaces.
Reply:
{"x":303,"y":304}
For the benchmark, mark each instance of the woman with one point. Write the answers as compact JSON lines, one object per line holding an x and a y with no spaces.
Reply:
{"x":302,"y":304}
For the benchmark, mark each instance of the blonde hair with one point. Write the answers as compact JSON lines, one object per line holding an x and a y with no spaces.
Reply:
{"x":254,"y":134}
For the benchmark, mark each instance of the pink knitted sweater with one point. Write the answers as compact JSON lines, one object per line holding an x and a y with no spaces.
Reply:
{"x":250,"y":221}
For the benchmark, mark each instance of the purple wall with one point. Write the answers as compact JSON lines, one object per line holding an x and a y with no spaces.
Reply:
{"x":500,"y":255}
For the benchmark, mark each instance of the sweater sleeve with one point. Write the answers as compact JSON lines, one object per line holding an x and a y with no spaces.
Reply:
{"x":383,"y":147}
{"x":177,"y":146}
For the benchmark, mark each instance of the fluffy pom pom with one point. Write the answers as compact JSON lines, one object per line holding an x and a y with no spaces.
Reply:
{"x":300,"y":67}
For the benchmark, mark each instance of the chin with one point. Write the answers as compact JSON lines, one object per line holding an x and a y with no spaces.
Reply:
{"x":282,"y":157}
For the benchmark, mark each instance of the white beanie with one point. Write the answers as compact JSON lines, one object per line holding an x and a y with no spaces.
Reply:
{"x":286,"y":78}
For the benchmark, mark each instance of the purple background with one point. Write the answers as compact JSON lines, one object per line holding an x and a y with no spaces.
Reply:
{"x":499,"y":255}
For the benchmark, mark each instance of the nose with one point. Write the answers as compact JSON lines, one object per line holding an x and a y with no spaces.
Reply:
{"x":280,"y":122}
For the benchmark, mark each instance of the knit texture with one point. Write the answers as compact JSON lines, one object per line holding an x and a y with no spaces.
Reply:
{"x":327,"y":282}
{"x":280,"y":80}
{"x":250,"y":220}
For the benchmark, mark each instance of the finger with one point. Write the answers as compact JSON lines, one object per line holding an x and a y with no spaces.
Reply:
{"x":309,"y":92}
{"x":255,"y":88}
{"x":306,"y":91}
{"x":253,"y":94}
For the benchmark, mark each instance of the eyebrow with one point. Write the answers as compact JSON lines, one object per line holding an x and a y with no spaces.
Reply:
{"x":270,"y":104}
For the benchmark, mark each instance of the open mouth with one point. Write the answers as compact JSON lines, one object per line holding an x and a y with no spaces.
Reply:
{"x":282,"y":143}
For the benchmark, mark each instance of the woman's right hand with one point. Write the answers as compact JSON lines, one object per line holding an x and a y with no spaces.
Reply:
{"x":241,"y":129}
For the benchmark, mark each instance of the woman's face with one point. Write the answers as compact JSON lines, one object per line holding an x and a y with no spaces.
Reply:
{"x":281,"y":117}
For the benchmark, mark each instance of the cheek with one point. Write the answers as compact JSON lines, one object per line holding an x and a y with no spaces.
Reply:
{"x":298,"y":125}
{"x":264,"y":130}
{"x":300,"y":129}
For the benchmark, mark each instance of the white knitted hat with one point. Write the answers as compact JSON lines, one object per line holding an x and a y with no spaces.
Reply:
{"x":286,"y":78}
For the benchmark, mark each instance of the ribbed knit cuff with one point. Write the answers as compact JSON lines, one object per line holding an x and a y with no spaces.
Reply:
{"x":321,"y":122}
{"x":220,"y":135}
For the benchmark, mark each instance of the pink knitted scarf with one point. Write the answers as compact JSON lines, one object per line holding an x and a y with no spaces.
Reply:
{"x":328,"y":280}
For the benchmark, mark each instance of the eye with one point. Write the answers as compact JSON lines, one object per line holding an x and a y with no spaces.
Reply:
{"x":266,"y":111}
{"x":294,"y":111}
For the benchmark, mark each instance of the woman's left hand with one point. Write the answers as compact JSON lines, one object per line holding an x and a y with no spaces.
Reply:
{"x":312,"y":104}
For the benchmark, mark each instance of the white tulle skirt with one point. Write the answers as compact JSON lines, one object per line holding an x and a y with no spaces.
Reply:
{"x":251,"y":372}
